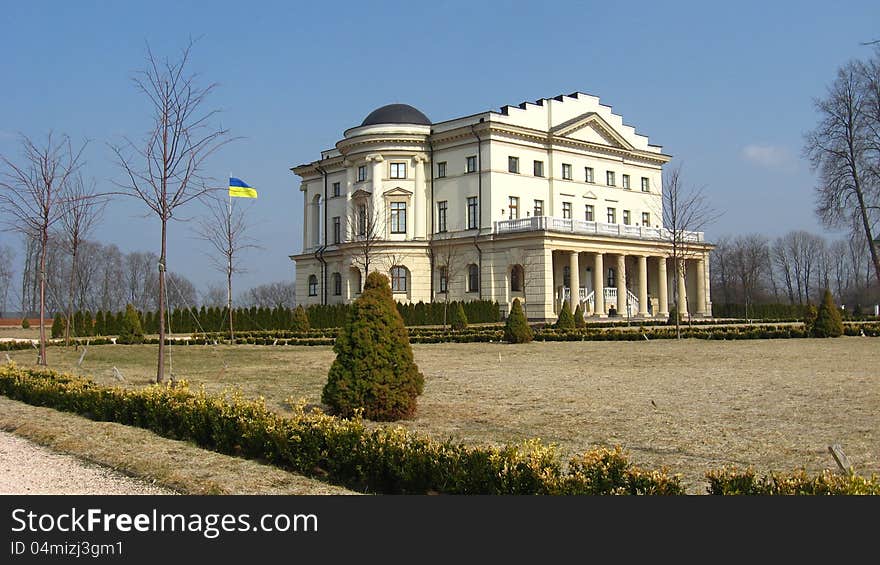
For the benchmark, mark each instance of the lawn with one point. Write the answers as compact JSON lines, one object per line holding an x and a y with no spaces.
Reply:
{"x":691,"y":405}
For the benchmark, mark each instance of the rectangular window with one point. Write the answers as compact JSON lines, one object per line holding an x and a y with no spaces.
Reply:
{"x":472,"y":213}
{"x":588,"y":175}
{"x":441,"y":170}
{"x":444,"y":280}
{"x":313,"y":285}
{"x":441,"y":217}
{"x":646,"y":218}
{"x":398,"y":170}
{"x":566,"y":210}
{"x":624,"y":181}
{"x":471,"y":166}
{"x":539,"y":207}
{"x":362,"y":219}
{"x":612,"y":216}
{"x":588,"y":213}
{"x":539,"y":168}
{"x":337,"y":229}
{"x":566,"y":171}
{"x":336,"y":189}
{"x":398,"y":217}
{"x":362,"y":173}
{"x":512,"y":207}
{"x":626,"y":218}
{"x":513,"y":164}
{"x":645,"y":186}
{"x":609,"y":178}
{"x":337,"y":284}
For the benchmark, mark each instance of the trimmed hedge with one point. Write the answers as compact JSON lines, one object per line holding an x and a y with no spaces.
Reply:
{"x":383,"y":459}
{"x":738,"y":482}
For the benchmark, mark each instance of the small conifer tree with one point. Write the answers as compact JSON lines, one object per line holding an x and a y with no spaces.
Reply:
{"x":458,"y":320}
{"x":517,"y":329}
{"x":810,"y":314}
{"x":579,"y":321}
{"x":100,"y":328}
{"x":374,"y":367}
{"x":57,"y":326}
{"x":300,"y":321}
{"x":25,"y":323}
{"x":130,"y":331}
{"x":566,"y":319}
{"x":828,"y":322}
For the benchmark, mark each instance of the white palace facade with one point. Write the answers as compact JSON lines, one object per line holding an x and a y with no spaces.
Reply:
{"x":556,"y":200}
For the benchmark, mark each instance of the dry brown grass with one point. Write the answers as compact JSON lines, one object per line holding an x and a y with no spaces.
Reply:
{"x":770,"y":404}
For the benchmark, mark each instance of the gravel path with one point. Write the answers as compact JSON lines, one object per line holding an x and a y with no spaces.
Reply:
{"x":28,"y":468}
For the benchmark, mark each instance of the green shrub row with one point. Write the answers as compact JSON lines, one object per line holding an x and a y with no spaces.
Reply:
{"x":747,"y":482}
{"x":383,"y":459}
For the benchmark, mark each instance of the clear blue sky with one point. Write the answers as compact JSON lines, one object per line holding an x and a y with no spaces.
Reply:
{"x":726,"y":89}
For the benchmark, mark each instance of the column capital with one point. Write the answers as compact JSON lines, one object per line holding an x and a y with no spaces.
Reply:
{"x":419,"y":158}
{"x":374,"y":157}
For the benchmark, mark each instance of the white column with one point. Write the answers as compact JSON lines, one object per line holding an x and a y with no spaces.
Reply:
{"x":418,"y":199}
{"x":542,"y":306}
{"x":349,"y":214}
{"x":701,"y":287}
{"x":643,"y":286}
{"x":306,"y":216}
{"x":662,"y":289}
{"x":682,"y":291}
{"x":598,"y":285}
{"x":621,"y":285}
{"x":574,"y":279}
{"x":378,"y":212}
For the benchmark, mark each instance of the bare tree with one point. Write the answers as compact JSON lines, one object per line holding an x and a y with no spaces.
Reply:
{"x":366,"y":227}
{"x":33,"y":195}
{"x":227,"y":233}
{"x":720,"y":263}
{"x":841,"y":148}
{"x":81,"y":212}
{"x":749,"y":260}
{"x":446,"y":258}
{"x":271,"y":295}
{"x":166,"y":170}
{"x":686,"y":210}
{"x":7,"y":256}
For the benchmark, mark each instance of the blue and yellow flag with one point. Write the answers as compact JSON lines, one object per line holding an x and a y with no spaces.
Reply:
{"x":239,"y":188}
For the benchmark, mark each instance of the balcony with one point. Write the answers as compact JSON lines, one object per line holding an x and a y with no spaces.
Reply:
{"x":580,"y":227}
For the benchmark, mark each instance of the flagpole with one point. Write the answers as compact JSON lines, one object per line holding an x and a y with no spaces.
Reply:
{"x":229,"y":266}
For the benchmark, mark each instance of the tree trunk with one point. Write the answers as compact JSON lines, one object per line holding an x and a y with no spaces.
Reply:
{"x":70,"y":298}
{"x":229,"y":299}
{"x":160,"y":370}
{"x":872,"y":247}
{"x":44,"y":238}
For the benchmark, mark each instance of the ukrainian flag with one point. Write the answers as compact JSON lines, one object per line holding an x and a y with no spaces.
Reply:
{"x":239,"y":188}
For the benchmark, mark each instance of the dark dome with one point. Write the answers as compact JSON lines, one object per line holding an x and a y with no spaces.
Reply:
{"x":396,"y":114}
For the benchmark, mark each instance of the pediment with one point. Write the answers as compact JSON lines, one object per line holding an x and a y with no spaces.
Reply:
{"x":397,"y":191}
{"x":591,"y":128}
{"x":361,"y":193}
{"x":590,"y":194}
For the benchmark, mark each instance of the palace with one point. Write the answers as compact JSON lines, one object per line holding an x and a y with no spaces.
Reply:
{"x":556,"y":200}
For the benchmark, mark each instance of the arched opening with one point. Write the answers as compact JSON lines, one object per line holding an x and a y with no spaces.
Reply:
{"x":313,"y":285}
{"x":337,"y":284}
{"x":473,"y":278}
{"x":355,"y":281}
{"x":399,"y":279}
{"x":517,"y":276}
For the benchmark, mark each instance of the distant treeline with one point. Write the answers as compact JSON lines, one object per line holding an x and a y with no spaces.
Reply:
{"x":216,"y":319}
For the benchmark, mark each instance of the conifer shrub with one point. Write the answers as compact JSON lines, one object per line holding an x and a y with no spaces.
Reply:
{"x":57,"y":326}
{"x":579,"y":321}
{"x":517,"y":329}
{"x":566,"y":319}
{"x":374,"y":368}
{"x":300,"y":321}
{"x":673,"y":315}
{"x":25,"y":323}
{"x":828,"y":322}
{"x":100,"y":326}
{"x":458,"y":320}
{"x":810,"y":314}
{"x":130,"y":330}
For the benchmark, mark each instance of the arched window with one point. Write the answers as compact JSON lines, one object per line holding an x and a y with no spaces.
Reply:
{"x":337,"y":284}
{"x":516,"y":278}
{"x":313,"y":285}
{"x":399,"y":275}
{"x":356,"y":280}
{"x":444,"y":279}
{"x":473,"y":278}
